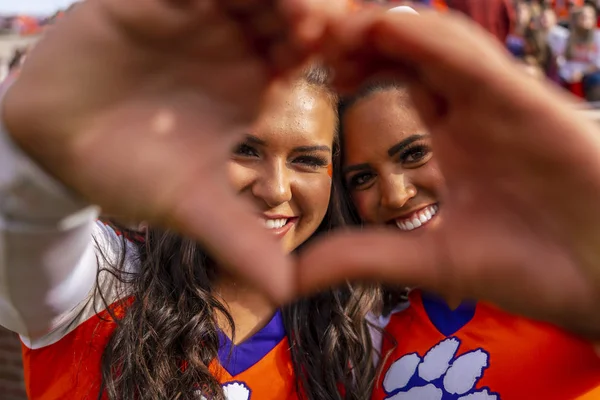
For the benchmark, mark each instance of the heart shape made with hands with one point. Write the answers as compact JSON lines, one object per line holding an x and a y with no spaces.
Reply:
{"x":155,"y":92}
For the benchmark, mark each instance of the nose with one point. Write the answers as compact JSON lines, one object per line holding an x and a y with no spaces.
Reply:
{"x":273,"y":185}
{"x":396,"y":191}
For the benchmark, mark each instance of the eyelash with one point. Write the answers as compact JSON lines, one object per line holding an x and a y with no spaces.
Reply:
{"x":353,"y":182}
{"x":410,"y":150}
{"x":243,"y":150}
{"x":310,"y":161}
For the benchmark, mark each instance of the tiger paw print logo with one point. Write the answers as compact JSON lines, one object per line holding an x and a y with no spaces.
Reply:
{"x":439,"y":375}
{"x":234,"y":391}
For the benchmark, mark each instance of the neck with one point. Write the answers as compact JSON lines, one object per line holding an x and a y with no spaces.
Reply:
{"x":451,"y":301}
{"x":249,"y":309}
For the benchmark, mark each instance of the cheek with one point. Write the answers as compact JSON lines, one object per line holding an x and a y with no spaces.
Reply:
{"x":239,"y":176}
{"x":311,"y":194}
{"x":429,"y":178}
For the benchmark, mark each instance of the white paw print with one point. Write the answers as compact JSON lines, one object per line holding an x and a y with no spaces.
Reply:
{"x":233,"y":391}
{"x":236,"y":391}
{"x":439,"y":375}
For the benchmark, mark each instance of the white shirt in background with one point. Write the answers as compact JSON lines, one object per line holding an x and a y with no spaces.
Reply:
{"x":584,"y":60}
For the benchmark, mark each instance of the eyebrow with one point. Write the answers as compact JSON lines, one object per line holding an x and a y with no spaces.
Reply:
{"x":356,"y":167}
{"x":397,"y":148}
{"x":311,"y":149}
{"x":299,"y":149}
{"x":255,"y":140}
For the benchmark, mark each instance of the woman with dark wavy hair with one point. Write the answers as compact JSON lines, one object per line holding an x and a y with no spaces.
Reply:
{"x":166,"y":322}
{"x":435,"y":347}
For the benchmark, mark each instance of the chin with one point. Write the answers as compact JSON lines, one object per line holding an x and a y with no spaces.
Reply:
{"x":288,"y":248}
{"x":292,"y":242}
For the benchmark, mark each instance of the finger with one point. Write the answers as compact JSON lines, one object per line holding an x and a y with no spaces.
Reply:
{"x":403,"y":9}
{"x":245,"y":6}
{"x":348,"y":36}
{"x":379,"y":255}
{"x":233,"y":236}
{"x":310,"y":18}
{"x":287,"y":32}
{"x":158,"y":19}
{"x":348,"y":51}
{"x":431,"y":106}
{"x":441,"y":47}
{"x":267,"y":24}
{"x":453,"y":47}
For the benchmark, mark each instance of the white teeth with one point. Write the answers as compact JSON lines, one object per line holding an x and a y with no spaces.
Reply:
{"x":418,"y":219}
{"x":275,"y":223}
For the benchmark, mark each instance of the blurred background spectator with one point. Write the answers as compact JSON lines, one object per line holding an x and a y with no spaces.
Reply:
{"x":515,"y":40}
{"x":580,"y":64}
{"x":554,"y":39}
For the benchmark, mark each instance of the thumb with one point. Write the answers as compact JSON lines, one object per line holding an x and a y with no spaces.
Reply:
{"x":377,"y":254}
{"x":234,"y":237}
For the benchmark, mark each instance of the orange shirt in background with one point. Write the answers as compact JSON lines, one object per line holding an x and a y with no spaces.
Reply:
{"x":439,"y":5}
{"x":561,"y":7}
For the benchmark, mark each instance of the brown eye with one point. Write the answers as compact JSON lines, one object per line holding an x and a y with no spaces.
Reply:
{"x":311,"y":161}
{"x":415,"y":154}
{"x":360,"y":179}
{"x":245,"y":150}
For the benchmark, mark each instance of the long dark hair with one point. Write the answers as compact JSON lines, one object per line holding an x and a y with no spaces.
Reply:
{"x":537,"y":47}
{"x":577,"y":36}
{"x":164,"y":343}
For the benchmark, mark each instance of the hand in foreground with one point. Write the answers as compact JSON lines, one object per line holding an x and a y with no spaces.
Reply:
{"x":521,"y":214}
{"x":135,"y":105}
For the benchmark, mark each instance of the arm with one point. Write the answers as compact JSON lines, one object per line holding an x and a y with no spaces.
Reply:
{"x":47,"y":261}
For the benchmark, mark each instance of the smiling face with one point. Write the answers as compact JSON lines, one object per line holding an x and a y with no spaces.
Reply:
{"x":587,"y":18}
{"x":523,"y":14}
{"x":548,"y":19}
{"x":283,"y":166}
{"x":389,"y":169}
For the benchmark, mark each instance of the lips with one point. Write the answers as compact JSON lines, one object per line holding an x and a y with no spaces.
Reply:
{"x":279,"y":226}
{"x":275,"y":223}
{"x":418,"y":218}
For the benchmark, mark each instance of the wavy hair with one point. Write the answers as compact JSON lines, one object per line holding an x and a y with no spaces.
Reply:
{"x":163,"y":345}
{"x":577,"y":36}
